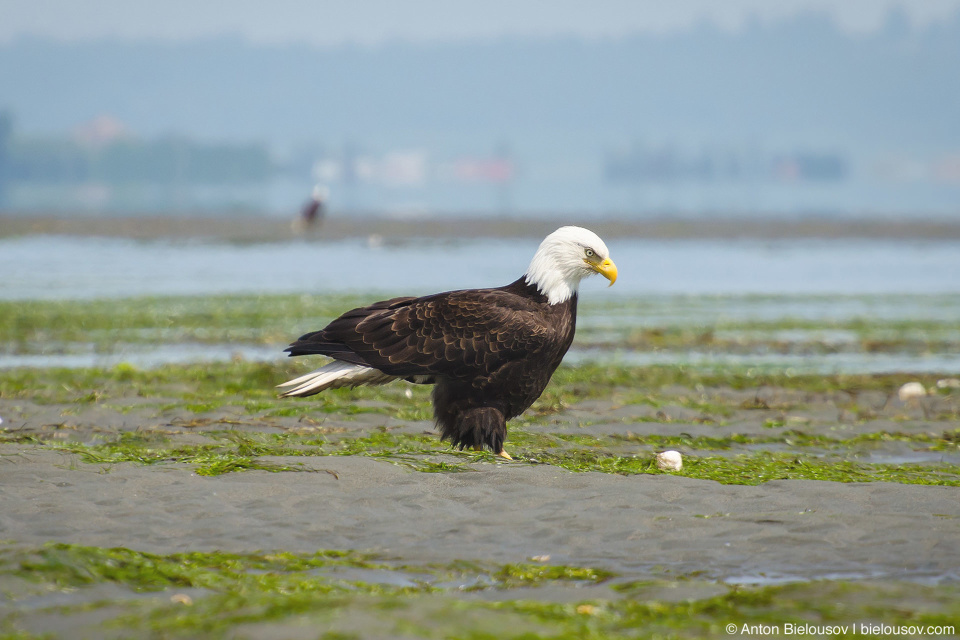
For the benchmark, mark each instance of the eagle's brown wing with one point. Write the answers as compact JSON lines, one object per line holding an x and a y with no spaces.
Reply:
{"x":459,"y":334}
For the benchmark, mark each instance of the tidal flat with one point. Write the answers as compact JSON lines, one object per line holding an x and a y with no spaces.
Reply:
{"x":184,"y":499}
{"x":792,"y":333}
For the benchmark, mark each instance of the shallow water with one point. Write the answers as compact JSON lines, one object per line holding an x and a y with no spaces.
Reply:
{"x":52,"y":267}
{"x":662,"y":284}
{"x":684,"y":309}
{"x":795,"y":363}
{"x":145,"y":356}
{"x":149,"y":356}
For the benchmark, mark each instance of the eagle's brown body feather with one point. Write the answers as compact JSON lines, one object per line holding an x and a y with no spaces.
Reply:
{"x":490,"y":352}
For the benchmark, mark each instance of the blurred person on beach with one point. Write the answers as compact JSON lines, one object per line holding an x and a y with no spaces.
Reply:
{"x":313,"y":211}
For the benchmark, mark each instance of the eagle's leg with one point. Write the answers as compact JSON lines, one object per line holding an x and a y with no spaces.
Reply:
{"x":477,"y":428}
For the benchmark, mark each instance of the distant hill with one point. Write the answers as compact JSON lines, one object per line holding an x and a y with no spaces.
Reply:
{"x":797,"y":82}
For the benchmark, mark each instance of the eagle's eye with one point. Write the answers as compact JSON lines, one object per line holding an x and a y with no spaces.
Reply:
{"x":589,"y":253}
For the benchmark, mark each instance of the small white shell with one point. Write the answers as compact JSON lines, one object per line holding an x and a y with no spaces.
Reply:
{"x":669,"y":461}
{"x":911,"y":390}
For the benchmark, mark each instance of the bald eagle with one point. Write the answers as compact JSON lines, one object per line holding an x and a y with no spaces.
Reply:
{"x":489,"y":352}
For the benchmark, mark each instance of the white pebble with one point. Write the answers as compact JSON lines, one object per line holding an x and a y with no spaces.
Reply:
{"x":181,"y":598}
{"x":911,"y":390}
{"x":948,"y":383}
{"x":408,"y":393}
{"x":669,"y":461}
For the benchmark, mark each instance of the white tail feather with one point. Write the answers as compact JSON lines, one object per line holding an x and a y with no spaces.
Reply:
{"x":334,"y":375}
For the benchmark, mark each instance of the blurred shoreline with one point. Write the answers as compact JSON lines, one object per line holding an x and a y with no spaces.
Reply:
{"x":246,"y":228}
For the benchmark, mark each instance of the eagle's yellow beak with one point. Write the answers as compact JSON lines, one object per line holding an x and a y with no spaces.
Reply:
{"x":607,"y":269}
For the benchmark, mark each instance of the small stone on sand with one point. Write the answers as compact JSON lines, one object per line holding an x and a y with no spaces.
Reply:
{"x":669,"y":461}
{"x":911,"y":390}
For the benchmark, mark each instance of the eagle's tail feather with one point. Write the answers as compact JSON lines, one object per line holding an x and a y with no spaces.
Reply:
{"x":334,"y":375}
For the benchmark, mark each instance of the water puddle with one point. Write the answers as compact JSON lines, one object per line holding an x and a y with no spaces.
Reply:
{"x":145,"y":357}
{"x":385,"y":577}
{"x":828,"y":363}
{"x":152,"y":356}
{"x":912,"y":457}
{"x":764,"y":579}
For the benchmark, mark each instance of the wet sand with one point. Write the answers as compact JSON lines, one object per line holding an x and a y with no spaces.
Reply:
{"x":887,"y":551}
{"x":641,"y":527}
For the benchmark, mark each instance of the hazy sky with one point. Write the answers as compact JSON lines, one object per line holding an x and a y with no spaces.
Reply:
{"x":373,"y":21}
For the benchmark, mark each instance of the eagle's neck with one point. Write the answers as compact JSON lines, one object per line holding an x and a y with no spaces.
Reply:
{"x":564,"y":314}
{"x":549,"y":276}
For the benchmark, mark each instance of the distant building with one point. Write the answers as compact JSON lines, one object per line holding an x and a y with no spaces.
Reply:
{"x":101,"y":131}
{"x":667,"y":164}
{"x":814,"y":167}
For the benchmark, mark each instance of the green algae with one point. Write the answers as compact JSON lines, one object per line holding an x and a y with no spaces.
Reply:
{"x":245,"y":588}
{"x":792,"y":437}
{"x":753,"y":469}
{"x":587,"y":377}
{"x":202,"y":389}
{"x":248,"y":388}
{"x":32,"y":325}
{"x":231,"y":451}
{"x":70,"y":566}
{"x":218,"y":595}
{"x":213,"y":385}
{"x":662,"y":323}
{"x":210,"y":459}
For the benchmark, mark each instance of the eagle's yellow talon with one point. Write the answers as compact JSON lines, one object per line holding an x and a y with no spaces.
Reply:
{"x":505,"y":455}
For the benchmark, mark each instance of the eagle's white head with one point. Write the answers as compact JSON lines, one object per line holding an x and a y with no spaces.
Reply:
{"x":565,"y":257}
